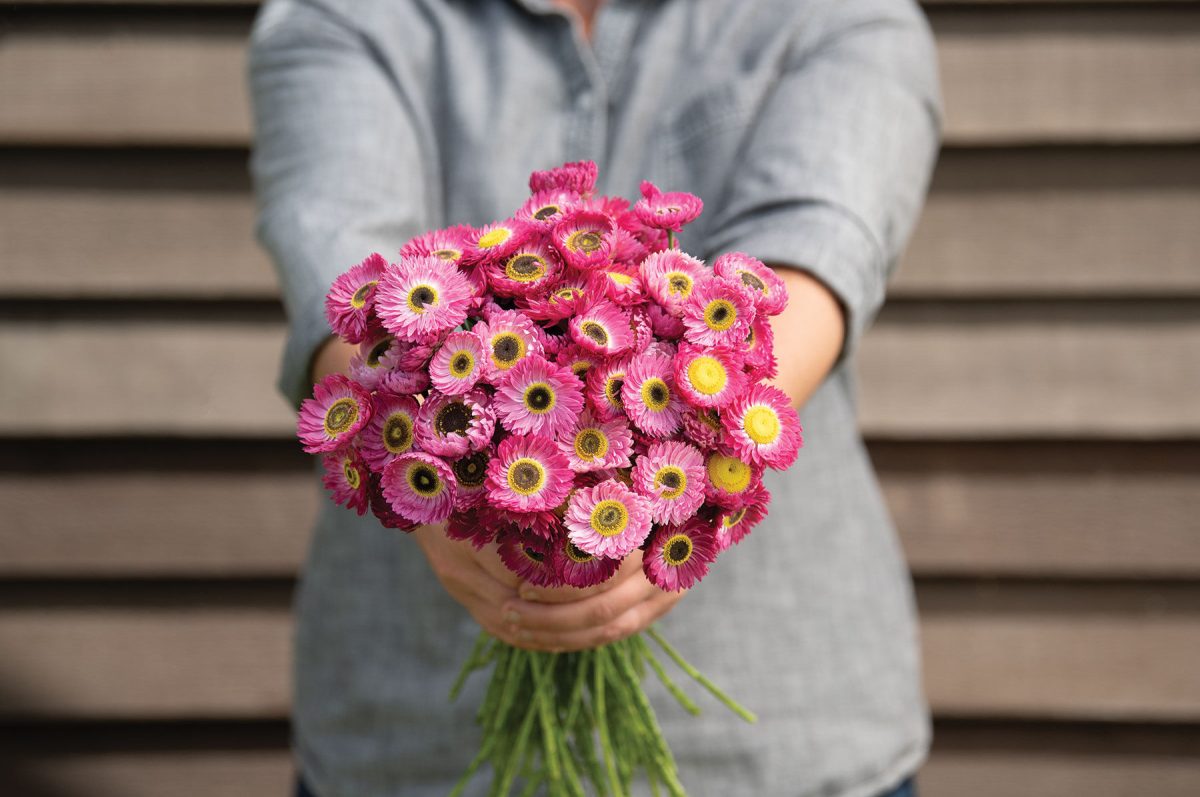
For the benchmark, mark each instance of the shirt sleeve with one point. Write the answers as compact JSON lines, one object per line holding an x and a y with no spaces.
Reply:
{"x":834,"y":171}
{"x":337,"y":165}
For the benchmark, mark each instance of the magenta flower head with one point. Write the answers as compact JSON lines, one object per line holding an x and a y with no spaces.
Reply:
{"x":649,"y":395}
{"x":350,"y":303}
{"x":729,"y":480}
{"x":663,"y":324}
{"x":338,"y":409}
{"x":458,"y":364}
{"x":539,"y":397}
{"x":584,"y":238}
{"x":621,"y":285}
{"x":768,"y":290}
{"x":528,"y":556}
{"x":578,"y":568}
{"x":382,"y":510}
{"x":346,"y":477}
{"x":671,"y":478}
{"x":447,"y":244}
{"x":670,"y":276}
{"x":450,"y":426}
{"x":473,"y":526}
{"x":762,"y":427}
{"x":709,"y":376}
{"x":679,"y":556}
{"x":578,"y":359}
{"x":608,"y":520}
{"x":570,"y":295}
{"x":530,"y":269}
{"x":507,"y":338}
{"x":592,"y":444}
{"x":494,"y":242}
{"x":546,"y":208}
{"x":732,"y":525}
{"x":528,"y":474}
{"x":603,"y":328}
{"x":390,"y":432}
{"x":605,"y":382}
{"x":759,"y":350}
{"x":419,"y":487}
{"x":422,"y":297}
{"x":703,"y":427}
{"x":367,"y":366}
{"x":718,"y":312}
{"x":578,"y":177}
{"x":669,"y":211}
{"x":470,"y":473}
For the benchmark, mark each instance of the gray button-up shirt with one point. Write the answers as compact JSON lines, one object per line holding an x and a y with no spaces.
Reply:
{"x":809,"y":128}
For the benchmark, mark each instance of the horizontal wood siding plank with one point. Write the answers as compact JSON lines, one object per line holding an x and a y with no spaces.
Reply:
{"x":941,"y":371}
{"x":1009,"y":222}
{"x":1014,"y":74}
{"x":1097,"y":653}
{"x":1069,"y":510}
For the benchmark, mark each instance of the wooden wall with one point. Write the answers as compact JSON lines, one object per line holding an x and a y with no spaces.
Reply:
{"x":152,"y":505}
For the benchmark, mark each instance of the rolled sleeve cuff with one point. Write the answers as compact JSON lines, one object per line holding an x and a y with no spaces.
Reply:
{"x":829,"y":243}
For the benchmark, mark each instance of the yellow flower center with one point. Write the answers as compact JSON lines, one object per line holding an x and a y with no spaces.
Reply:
{"x":359,"y":300}
{"x":580,"y":368}
{"x":677,"y":550}
{"x":567,"y":294}
{"x":494,"y":237}
{"x":609,"y":518}
{"x":340,"y":416}
{"x":734,"y":518}
{"x":462,"y":363}
{"x":761,"y":424}
{"x":707,"y":375}
{"x":595,"y":331}
{"x":424,"y":480}
{"x":351,"y":473}
{"x":619,"y":278}
{"x":421,"y":296}
{"x":526,"y":476}
{"x":586,"y":241}
{"x":670,"y":482}
{"x":507,"y":350}
{"x":728,"y":474}
{"x":577,"y":554}
{"x":679,"y":283}
{"x":751,"y":280}
{"x":546,"y":212}
{"x":590,"y":444}
{"x":398,"y":433}
{"x":655,"y":394}
{"x":612,"y":389}
{"x":525,"y":267}
{"x":720,"y":315}
{"x":539,"y":398}
{"x":451,"y":255}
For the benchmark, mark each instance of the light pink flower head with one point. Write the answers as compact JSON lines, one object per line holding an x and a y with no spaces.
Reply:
{"x":762,"y":427}
{"x":422,"y":296}
{"x":607,"y":520}
{"x":650,"y":397}
{"x":584,"y":238}
{"x":592,"y":444}
{"x":447,"y":244}
{"x":507,"y":337}
{"x":570,"y":295}
{"x":709,"y":376}
{"x":539,"y":397}
{"x":458,"y":364}
{"x":404,"y":383}
{"x":671,"y":478}
{"x":678,"y":556}
{"x":578,"y":177}
{"x":729,"y":479}
{"x":760,"y":350}
{"x":547,"y":207}
{"x":666,"y":211}
{"x":605,"y":382}
{"x":391,"y":430}
{"x":367,"y":366}
{"x":346,"y":477}
{"x":578,"y":568}
{"x":451,"y":426}
{"x":530,"y":269}
{"x":578,"y":359}
{"x":718,"y":312}
{"x":670,"y":276}
{"x":419,"y":487}
{"x":496,"y":241}
{"x":329,"y":420}
{"x":350,"y":303}
{"x":768,"y":290}
{"x":528,"y":474}
{"x":621,"y":285}
{"x":603,"y":328}
{"x":732,"y":525}
{"x":703,"y":427}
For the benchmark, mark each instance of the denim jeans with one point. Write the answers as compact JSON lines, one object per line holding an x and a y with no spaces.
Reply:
{"x":906,"y":789}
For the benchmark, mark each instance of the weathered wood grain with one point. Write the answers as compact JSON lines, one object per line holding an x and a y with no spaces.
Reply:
{"x":1039,"y":222}
{"x":1011,"y":74}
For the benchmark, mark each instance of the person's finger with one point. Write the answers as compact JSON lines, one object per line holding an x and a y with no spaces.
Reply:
{"x":488,"y":558}
{"x":591,"y":612}
{"x":630,"y":567}
{"x":635,"y":619}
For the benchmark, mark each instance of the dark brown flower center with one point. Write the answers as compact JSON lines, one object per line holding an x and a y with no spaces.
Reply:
{"x":360,"y":296}
{"x":659,"y":394}
{"x":752,"y":280}
{"x":588,"y":241}
{"x":539,"y":397}
{"x":589,"y":442}
{"x":424,"y":480}
{"x":454,"y":418}
{"x":506,"y":348}
{"x":545,"y":212}
{"x":377,"y":351}
{"x":595,"y":332}
{"x":534,"y":554}
{"x":397,"y":433}
{"x":670,"y":480}
{"x":447,"y":254}
{"x":341,"y":416}
{"x":577,"y":554}
{"x":461,"y":364}
{"x":680,"y":283}
{"x":422,"y":295}
{"x":526,"y":265}
{"x":679,"y":550}
{"x":470,"y":471}
{"x":526,"y":476}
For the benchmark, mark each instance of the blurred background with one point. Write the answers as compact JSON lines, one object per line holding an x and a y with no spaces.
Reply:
{"x":154,"y":507}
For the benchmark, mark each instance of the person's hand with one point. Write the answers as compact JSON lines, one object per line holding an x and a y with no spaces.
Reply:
{"x":565,"y":619}
{"x":475,"y":578}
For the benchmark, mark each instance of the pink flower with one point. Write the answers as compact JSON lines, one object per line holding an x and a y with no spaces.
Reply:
{"x":578,"y":177}
{"x":367,"y":366}
{"x":605,"y":381}
{"x":570,"y":295}
{"x":729,"y":480}
{"x":649,"y":395}
{"x":547,"y":207}
{"x":621,"y":285}
{"x":383,"y":510}
{"x":404,"y":383}
{"x":496,"y":241}
{"x":458,"y":364}
{"x":350,"y":302}
{"x":732,"y":525}
{"x":662,"y":323}
{"x":578,"y":568}
{"x":584,"y":239}
{"x":507,"y":337}
{"x":592,"y":444}
{"x":390,"y":431}
{"x":760,"y":350}
{"x":531,"y":268}
{"x":539,"y":397}
{"x":678,"y":556}
{"x":419,"y":487}
{"x":450,"y":426}
{"x":603,"y":329}
{"x":671,"y":477}
{"x":703,"y":427}
{"x":528,"y":474}
{"x":347,"y":477}
{"x":422,"y":296}
{"x":447,"y":244}
{"x":330,"y":419}
{"x":470,"y":473}
{"x":668,"y":211}
{"x":670,"y":276}
{"x":718,"y":312}
{"x":607,"y":520}
{"x":762,"y":427}
{"x":763,"y":284}
{"x":578,"y":359}
{"x":529,"y":557}
{"x":709,"y":376}
{"x":471,"y":525}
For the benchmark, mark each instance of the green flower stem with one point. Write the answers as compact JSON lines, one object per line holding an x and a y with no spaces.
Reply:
{"x":473,"y":662}
{"x":599,"y":675}
{"x":647,"y":655}
{"x":544,"y":699}
{"x":700,"y":678}
{"x":586,"y":659}
{"x":502,"y":784}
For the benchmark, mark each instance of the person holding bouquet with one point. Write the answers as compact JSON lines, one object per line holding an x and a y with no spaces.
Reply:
{"x":809,"y":129}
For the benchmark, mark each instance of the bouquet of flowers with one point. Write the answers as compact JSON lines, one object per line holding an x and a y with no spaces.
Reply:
{"x":567,"y":385}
